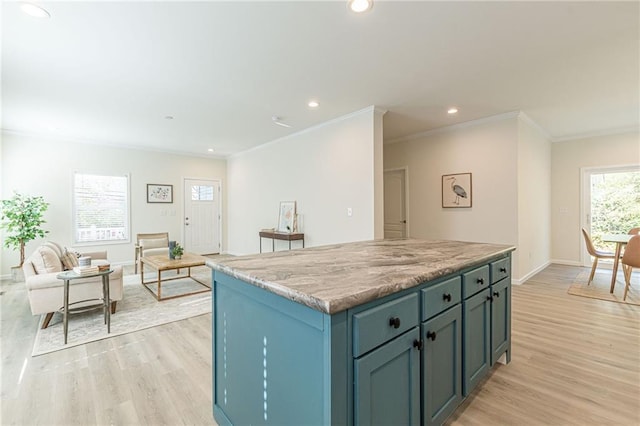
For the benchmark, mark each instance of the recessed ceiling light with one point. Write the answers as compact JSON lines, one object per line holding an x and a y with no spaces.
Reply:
{"x":168,"y":117}
{"x":452,"y":110}
{"x":313,"y":104}
{"x":34,"y":10}
{"x":360,"y":6}
{"x":210,"y":149}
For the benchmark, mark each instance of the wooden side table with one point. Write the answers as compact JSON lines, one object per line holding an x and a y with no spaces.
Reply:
{"x":67,"y":277}
{"x":284,"y":236}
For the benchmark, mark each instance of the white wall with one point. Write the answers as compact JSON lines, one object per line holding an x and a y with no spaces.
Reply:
{"x":325,"y":169}
{"x":37,"y":166}
{"x":488,"y":150}
{"x":534,"y":198}
{"x":567,"y":159}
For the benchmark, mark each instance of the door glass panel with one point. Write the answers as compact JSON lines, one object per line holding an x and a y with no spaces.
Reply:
{"x":615,"y":205}
{"x":201,"y":193}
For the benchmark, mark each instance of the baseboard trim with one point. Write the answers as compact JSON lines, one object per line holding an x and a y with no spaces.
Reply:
{"x":524,"y":279}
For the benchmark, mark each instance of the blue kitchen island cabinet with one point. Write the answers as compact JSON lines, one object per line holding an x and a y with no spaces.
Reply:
{"x":352,"y":334}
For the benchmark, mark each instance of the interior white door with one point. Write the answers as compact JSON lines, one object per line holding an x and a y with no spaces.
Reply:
{"x":395,"y":217}
{"x":202,"y":216}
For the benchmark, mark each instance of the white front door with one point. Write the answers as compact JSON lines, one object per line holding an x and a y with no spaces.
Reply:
{"x":395,"y":217}
{"x":202,"y":216}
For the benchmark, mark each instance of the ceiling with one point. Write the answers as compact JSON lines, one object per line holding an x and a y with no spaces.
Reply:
{"x":111,"y":72}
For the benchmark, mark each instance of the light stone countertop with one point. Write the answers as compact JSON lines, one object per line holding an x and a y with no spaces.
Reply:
{"x":336,"y":277}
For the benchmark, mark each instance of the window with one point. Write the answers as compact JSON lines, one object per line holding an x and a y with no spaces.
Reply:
{"x":100,"y":208}
{"x":201,"y":193}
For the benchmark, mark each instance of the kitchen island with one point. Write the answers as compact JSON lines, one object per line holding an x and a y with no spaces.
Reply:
{"x":386,"y":331}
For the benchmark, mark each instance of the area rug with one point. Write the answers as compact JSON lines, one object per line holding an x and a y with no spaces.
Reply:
{"x":599,"y":287}
{"x":136,"y":311}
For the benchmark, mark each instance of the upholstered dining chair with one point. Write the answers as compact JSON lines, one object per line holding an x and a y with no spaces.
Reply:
{"x":149,"y":245}
{"x":630,"y":260}
{"x":597,"y":254}
{"x":634,"y":231}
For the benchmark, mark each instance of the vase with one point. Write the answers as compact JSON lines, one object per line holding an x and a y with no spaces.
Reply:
{"x":172,"y":244}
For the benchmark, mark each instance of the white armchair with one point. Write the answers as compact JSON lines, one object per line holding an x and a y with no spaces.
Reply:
{"x":46,"y":292}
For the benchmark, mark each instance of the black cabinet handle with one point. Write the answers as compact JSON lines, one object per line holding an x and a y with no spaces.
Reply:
{"x":503,"y":270}
{"x":489,"y":298}
{"x":394,"y":322}
{"x":417,"y":344}
{"x":431,"y":335}
{"x":446,"y":297}
{"x":496,"y":294}
{"x":480,"y":281}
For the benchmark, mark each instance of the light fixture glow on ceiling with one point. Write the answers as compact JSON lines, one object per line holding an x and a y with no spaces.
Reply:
{"x":360,"y":6}
{"x":452,"y":110}
{"x":313,"y":104}
{"x":34,"y":10}
{"x":210,"y":149}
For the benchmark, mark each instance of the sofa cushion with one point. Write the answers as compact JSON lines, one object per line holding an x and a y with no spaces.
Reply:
{"x":45,"y":260}
{"x":149,"y":243}
{"x":69,"y":259}
{"x":56,"y":247}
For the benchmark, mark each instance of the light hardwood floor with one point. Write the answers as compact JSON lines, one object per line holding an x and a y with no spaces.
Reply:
{"x":575,"y":361}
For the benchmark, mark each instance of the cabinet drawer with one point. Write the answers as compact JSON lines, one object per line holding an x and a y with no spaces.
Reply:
{"x":440,"y":297}
{"x":382,"y":323}
{"x":474,"y":281}
{"x":500,"y":269}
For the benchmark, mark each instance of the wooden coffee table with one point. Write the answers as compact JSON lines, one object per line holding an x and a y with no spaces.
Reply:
{"x":162,"y":263}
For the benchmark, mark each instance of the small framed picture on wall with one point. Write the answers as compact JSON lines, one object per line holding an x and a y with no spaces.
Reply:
{"x":456,"y":190}
{"x":157,"y":193}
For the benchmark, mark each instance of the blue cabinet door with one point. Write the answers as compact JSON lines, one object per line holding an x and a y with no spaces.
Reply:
{"x":442,"y":365}
{"x":476,"y":326}
{"x":387,"y":383}
{"x":501,"y":320}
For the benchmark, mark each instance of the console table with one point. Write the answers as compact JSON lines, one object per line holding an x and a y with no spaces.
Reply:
{"x":285,"y":236}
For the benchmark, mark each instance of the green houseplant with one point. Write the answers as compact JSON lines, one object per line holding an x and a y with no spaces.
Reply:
{"x":177,"y":251}
{"x":22,"y":218}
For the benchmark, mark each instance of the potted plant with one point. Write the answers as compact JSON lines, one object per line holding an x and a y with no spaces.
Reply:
{"x":22,"y":218}
{"x":177,"y":251}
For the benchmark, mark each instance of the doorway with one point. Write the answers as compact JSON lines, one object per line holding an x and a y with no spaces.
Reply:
{"x":202,"y":216}
{"x":395,"y":204}
{"x":611,"y":203}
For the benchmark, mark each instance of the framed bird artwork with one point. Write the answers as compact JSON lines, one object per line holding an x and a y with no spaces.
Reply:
{"x":456,"y":190}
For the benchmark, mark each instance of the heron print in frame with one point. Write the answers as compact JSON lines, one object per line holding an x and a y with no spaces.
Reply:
{"x":456,"y":190}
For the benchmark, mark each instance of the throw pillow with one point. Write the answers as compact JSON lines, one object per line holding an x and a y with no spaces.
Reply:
{"x":45,"y":260}
{"x":56,"y":247}
{"x":69,"y":259}
{"x":153,"y":243}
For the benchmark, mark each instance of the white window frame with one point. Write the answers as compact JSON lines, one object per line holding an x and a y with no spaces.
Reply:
{"x":127,"y":218}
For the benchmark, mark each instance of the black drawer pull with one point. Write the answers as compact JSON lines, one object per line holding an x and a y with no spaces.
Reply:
{"x":394,"y":322}
{"x":480,"y":281}
{"x":446,"y":297}
{"x":489,"y":298}
{"x":431,"y":335}
{"x":503,"y":270}
{"x":417,"y":344}
{"x":496,"y":294}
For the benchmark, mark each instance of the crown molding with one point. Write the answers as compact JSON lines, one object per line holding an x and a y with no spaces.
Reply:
{"x":597,"y":133}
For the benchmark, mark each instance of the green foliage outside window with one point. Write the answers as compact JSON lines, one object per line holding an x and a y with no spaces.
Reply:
{"x":615,"y":205}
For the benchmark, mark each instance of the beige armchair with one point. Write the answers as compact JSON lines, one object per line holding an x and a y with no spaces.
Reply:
{"x":46,"y":292}
{"x":150,"y":245}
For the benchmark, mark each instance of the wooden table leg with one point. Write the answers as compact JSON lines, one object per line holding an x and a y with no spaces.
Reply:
{"x":159,"y":285}
{"x":615,"y":266}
